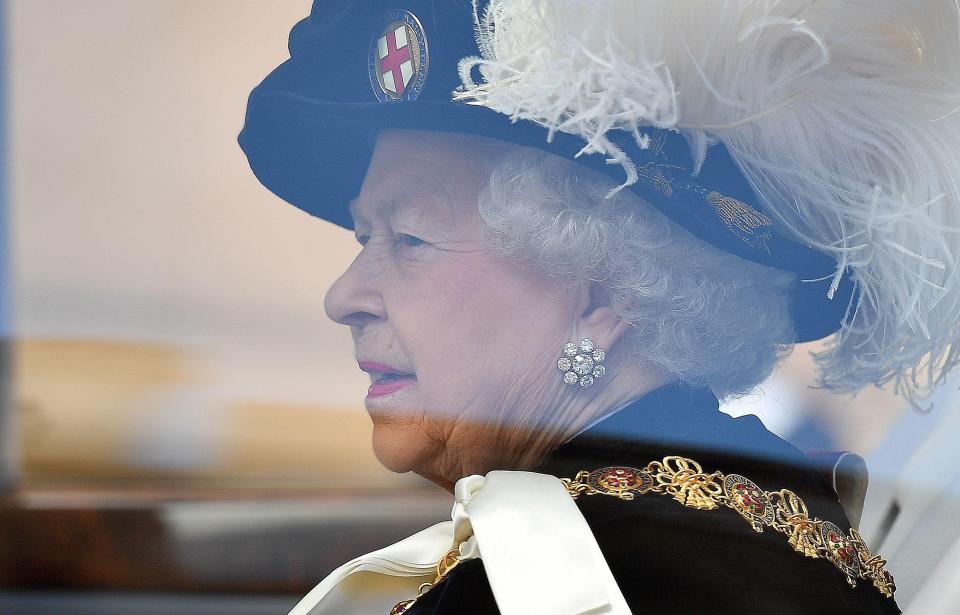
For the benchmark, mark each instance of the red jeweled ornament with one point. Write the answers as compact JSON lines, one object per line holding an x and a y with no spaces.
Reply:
{"x":842,"y":552}
{"x":620,"y":480}
{"x":402,"y":607}
{"x":749,"y":500}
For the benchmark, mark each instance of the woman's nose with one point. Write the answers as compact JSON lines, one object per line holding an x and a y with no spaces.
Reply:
{"x":355,"y":298}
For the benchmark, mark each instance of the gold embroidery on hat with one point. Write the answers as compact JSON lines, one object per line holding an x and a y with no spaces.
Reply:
{"x":744,"y":221}
{"x":655,"y":177}
{"x":652,"y":172}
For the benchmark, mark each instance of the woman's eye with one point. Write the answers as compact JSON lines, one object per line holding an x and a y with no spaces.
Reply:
{"x":409,"y":241}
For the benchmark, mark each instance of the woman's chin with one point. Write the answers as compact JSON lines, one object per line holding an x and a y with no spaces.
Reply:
{"x":400,"y":447}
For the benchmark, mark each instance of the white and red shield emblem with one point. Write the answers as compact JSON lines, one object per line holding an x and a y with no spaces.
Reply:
{"x":398,"y":58}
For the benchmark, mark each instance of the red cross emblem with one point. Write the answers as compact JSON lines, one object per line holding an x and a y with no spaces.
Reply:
{"x":398,"y":58}
{"x":396,"y":66}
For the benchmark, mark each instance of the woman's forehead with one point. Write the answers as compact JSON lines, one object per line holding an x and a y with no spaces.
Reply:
{"x":421,"y":170}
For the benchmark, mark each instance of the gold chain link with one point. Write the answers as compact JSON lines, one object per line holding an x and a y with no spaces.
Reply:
{"x":782,"y":511}
{"x":446,"y":564}
{"x":685,"y":481}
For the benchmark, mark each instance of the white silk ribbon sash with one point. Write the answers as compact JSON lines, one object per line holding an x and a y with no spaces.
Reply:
{"x":414,"y":557}
{"x":538,"y":551}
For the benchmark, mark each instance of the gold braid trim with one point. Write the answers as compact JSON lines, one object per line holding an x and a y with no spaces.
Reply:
{"x":783,"y":511}
{"x":751,"y":226}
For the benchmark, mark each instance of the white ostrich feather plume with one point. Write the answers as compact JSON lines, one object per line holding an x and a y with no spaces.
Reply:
{"x":843,"y":114}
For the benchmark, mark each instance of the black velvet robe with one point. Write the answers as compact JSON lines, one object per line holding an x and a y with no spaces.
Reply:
{"x":668,"y":558}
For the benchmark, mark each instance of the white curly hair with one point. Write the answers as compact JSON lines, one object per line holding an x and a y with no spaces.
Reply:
{"x":843,"y":114}
{"x":703,"y":315}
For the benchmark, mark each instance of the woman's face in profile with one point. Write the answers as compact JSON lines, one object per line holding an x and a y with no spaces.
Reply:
{"x":461,"y":344}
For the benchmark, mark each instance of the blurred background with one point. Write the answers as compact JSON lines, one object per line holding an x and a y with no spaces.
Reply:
{"x":181,"y":425}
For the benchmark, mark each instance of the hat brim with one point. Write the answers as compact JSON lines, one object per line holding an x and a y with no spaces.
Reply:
{"x":314,"y":154}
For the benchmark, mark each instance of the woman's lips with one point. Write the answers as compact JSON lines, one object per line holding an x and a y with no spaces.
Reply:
{"x":386,"y":387}
{"x":370,"y":366}
{"x":387,"y":379}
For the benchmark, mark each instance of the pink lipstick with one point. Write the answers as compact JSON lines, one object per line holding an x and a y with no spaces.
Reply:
{"x":386,"y":379}
{"x":385,"y":388}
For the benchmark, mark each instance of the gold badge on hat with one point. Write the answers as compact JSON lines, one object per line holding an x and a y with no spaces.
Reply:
{"x":398,"y":58}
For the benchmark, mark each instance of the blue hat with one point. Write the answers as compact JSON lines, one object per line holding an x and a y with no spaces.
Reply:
{"x":358,"y":67}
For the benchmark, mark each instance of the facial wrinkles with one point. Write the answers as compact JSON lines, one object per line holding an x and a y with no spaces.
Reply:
{"x":426,"y":214}
{"x":531,"y":423}
{"x":400,"y":182}
{"x":463,"y":432}
{"x":427,"y":200}
{"x":514,"y":427}
{"x":528,"y":417}
{"x":525,"y":418}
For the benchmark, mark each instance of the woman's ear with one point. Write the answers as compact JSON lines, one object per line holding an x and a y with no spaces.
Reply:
{"x":598,"y":320}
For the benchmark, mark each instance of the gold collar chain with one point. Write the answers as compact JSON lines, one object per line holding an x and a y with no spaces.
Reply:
{"x":447,"y":563}
{"x":783,"y":511}
{"x":685,"y":480}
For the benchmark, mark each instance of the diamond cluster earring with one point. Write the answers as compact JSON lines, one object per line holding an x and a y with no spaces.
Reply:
{"x":582,"y":363}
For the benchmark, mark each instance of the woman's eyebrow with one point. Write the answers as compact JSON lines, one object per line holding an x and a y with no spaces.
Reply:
{"x":386,"y":206}
{"x":426,"y":203}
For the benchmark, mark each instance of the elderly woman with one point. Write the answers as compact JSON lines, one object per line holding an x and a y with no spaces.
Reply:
{"x":581,"y":225}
